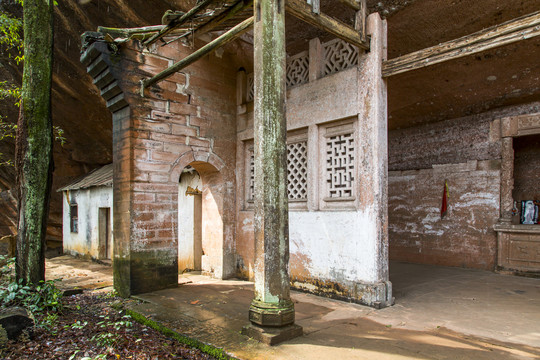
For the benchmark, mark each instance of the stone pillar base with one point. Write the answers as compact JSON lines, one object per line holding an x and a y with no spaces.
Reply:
{"x":272,"y":335}
{"x":378,"y":295}
{"x":267,"y":314}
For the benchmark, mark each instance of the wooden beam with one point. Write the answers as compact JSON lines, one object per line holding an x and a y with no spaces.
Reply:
{"x":178,"y":22}
{"x":353,"y":4}
{"x":224,"y":16}
{"x":509,"y":32}
{"x":190,"y":59}
{"x":301,"y":10}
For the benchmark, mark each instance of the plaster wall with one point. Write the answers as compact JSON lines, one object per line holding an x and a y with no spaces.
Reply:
{"x":337,"y":248}
{"x":85,"y":242}
{"x":467,"y":153}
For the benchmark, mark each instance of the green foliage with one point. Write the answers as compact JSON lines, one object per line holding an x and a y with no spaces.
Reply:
{"x":10,"y":36}
{"x":106,"y":339}
{"x":77,"y":325}
{"x":44,"y":301}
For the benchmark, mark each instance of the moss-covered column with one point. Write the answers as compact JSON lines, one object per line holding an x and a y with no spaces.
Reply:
{"x":271,"y":306}
{"x":34,"y":141}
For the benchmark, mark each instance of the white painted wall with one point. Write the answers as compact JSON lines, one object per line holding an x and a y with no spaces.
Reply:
{"x":188,"y":233}
{"x":336,"y":245}
{"x":86,"y":241}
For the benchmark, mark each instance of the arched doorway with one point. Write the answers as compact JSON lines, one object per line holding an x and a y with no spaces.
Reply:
{"x":200,"y":219}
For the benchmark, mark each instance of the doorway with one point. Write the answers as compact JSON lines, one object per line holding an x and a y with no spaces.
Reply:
{"x":190,"y":249}
{"x":105,"y":233}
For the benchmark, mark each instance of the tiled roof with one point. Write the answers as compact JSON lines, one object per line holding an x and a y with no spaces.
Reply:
{"x":102,"y":176}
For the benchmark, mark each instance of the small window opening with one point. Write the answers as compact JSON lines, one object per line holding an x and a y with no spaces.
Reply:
{"x":74,"y":218}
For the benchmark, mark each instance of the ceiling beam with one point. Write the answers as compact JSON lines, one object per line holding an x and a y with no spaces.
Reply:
{"x":522,"y":28}
{"x":301,"y":10}
{"x":353,"y":4}
{"x":237,"y":8}
{"x":178,"y":22}
{"x":227,"y":37}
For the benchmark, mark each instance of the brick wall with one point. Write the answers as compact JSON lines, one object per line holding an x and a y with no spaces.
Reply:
{"x":188,"y":119}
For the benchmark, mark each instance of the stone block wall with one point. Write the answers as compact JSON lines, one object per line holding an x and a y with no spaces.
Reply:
{"x":188,"y":119}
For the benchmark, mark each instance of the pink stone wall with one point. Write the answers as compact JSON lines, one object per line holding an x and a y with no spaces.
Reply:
{"x":188,"y":119}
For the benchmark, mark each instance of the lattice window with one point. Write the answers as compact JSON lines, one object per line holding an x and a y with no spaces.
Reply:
{"x":297,"y":170}
{"x":340,"y":165}
{"x":250,"y":87}
{"x":298,"y":69}
{"x":339,"y":55}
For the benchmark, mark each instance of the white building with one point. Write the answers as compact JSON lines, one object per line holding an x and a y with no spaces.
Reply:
{"x":87,"y":215}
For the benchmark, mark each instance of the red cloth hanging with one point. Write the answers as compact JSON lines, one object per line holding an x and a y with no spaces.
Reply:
{"x":444,"y":206}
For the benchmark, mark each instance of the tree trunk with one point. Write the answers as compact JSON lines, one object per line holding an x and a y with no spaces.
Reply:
{"x":34,"y":141}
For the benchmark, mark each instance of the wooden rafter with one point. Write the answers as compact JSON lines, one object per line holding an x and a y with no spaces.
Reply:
{"x":301,"y":10}
{"x":190,"y":59}
{"x":226,"y":15}
{"x":353,"y":4}
{"x":509,"y":32}
{"x":179,"y":22}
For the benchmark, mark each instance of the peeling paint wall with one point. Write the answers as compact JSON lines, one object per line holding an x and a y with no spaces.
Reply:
{"x":467,"y":153}
{"x":338,"y":248}
{"x":85,"y":242}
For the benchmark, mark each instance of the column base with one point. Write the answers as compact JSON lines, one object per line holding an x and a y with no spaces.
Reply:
{"x":272,"y":335}
{"x":271,"y":315}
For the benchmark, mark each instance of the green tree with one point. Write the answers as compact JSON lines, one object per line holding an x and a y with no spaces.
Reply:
{"x":33,"y":159}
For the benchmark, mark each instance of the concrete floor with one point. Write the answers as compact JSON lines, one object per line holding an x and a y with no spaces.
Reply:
{"x":440,"y":313}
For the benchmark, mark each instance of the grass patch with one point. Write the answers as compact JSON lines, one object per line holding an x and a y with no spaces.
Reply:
{"x":205,"y":348}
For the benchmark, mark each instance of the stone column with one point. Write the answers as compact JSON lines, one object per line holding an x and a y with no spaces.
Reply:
{"x":507,"y":179}
{"x":272,"y":311}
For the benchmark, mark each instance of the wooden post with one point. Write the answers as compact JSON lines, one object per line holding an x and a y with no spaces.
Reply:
{"x":272,"y":311}
{"x":507,"y":179}
{"x":316,"y":59}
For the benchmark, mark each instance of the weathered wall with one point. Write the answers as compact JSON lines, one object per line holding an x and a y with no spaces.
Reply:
{"x":85,"y":242}
{"x":187,"y":119}
{"x":467,"y":153}
{"x":337,"y":244}
{"x":465,"y":236}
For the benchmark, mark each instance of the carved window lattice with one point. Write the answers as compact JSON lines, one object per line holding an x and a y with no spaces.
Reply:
{"x":340,"y":165}
{"x":297,"y":170}
{"x":298,"y":69}
{"x":250,"y":87}
{"x":339,"y":55}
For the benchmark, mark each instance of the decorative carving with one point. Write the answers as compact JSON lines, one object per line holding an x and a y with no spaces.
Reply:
{"x":339,"y":55}
{"x":297,"y":170}
{"x":340,"y":165}
{"x":298,"y":69}
{"x":250,"y":87}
